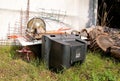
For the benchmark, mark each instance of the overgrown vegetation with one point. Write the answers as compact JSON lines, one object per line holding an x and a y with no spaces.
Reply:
{"x":95,"y":68}
{"x":104,"y":12}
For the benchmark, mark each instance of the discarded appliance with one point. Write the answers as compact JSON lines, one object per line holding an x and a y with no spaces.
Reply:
{"x":32,"y":38}
{"x":61,"y":51}
{"x":36,"y":27}
{"x":58,"y":50}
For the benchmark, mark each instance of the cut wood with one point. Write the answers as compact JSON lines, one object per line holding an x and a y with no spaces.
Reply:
{"x":104,"y":42}
{"x":115,"y":51}
{"x":95,"y":32}
{"x":104,"y":39}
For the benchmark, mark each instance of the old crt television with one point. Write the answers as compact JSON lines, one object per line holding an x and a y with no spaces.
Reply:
{"x":61,"y":51}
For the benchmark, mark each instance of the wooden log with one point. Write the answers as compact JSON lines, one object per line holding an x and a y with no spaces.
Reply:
{"x":95,"y":32}
{"x":115,"y":51}
{"x":104,"y":42}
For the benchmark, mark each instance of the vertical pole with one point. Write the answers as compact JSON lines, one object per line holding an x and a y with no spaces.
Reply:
{"x":27,"y":13}
{"x":8,"y":29}
{"x":21,"y":22}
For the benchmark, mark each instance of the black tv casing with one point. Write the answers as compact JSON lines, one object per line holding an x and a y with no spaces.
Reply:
{"x":61,"y":51}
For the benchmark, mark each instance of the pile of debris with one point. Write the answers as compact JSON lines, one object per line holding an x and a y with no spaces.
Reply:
{"x":103,"y":39}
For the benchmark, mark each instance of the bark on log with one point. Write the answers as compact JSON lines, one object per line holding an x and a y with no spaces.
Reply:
{"x":115,"y":51}
{"x":104,"y":39}
{"x":104,"y":42}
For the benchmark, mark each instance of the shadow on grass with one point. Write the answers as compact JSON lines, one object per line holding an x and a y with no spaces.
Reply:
{"x":106,"y":56}
{"x":13,"y":53}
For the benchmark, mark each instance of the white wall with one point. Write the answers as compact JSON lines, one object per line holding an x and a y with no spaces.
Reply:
{"x":80,"y":13}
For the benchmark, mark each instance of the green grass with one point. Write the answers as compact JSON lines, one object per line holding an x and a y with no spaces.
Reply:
{"x":95,"y":68}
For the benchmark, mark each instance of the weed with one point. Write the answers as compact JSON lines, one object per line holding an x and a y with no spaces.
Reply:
{"x":94,"y":68}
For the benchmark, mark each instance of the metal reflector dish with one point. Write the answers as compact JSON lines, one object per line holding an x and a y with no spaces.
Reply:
{"x":36,"y":23}
{"x":36,"y":27}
